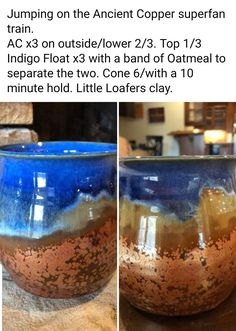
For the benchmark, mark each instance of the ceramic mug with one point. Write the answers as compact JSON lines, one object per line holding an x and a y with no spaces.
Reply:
{"x":58,"y":216}
{"x":178,"y":232}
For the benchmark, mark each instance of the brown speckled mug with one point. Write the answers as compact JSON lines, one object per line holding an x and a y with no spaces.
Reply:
{"x":177,"y":233}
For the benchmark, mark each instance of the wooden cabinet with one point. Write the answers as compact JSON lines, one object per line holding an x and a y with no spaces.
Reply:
{"x":131,"y":109}
{"x":211,"y":115}
{"x":194,"y":114}
{"x":215,"y":116}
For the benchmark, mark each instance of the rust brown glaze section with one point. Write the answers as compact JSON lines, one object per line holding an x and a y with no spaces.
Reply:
{"x":187,"y":273}
{"x":63,"y":265}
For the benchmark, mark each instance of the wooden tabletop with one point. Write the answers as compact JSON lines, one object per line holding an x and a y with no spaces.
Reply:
{"x":25,"y":312}
{"x":223,"y":318}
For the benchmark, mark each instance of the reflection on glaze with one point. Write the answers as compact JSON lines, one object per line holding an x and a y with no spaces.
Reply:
{"x":37,"y":220}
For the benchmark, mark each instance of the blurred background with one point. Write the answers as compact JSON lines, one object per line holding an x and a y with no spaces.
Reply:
{"x":32,"y":122}
{"x":178,"y":128}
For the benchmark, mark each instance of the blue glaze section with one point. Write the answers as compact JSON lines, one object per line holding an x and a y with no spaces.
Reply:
{"x":174,"y":186}
{"x":36,"y":188}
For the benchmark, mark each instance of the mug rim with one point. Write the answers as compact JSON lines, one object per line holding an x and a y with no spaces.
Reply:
{"x":8,"y":150}
{"x":177,"y":158}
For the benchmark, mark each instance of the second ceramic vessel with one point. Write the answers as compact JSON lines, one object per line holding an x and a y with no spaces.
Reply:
{"x":178,"y":233}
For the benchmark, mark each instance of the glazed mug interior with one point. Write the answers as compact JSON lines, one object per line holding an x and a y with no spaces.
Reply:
{"x":58,"y":216}
{"x":177,"y":232}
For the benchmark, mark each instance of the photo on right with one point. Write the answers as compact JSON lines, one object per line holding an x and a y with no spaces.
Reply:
{"x":177,"y":255}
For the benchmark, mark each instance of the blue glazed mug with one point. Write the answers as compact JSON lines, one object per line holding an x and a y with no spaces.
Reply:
{"x":58,"y":216}
{"x":177,"y":232}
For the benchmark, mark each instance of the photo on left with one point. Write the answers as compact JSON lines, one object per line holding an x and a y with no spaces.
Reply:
{"x":58,"y":221}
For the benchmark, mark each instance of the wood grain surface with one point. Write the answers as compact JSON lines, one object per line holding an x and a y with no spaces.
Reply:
{"x":223,"y":318}
{"x":25,"y":312}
